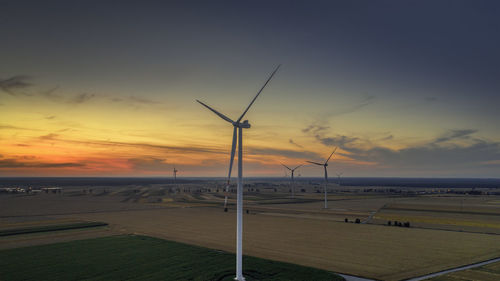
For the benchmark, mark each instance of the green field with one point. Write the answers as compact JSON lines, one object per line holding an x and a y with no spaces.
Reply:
{"x":132,"y":257}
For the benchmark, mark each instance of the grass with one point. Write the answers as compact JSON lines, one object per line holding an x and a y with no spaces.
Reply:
{"x":490,"y":272}
{"x":47,"y":228}
{"x":132,"y":257}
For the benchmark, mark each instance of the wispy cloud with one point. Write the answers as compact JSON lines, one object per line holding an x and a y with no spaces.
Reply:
{"x":315,"y":129}
{"x":149,"y":163}
{"x":4,"y":126}
{"x":135,"y":100}
{"x":282,"y":152}
{"x":366,"y":101}
{"x":455,"y":134}
{"x":50,"y":136}
{"x":339,"y":140}
{"x":15,"y":84}
{"x":15,"y":163}
{"x":81,"y":98}
{"x":443,"y":153}
{"x":291,"y":141}
{"x":163,"y":148}
{"x":54,"y":96}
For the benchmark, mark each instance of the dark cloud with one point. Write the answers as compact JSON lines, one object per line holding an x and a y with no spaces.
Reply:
{"x":50,"y":136}
{"x":315,"y":129}
{"x":294,"y":143}
{"x":14,"y":163}
{"x":389,"y":137}
{"x":141,"y":100}
{"x":2,"y":126}
{"x":455,"y":134}
{"x":283,"y":152}
{"x":81,"y":98}
{"x":14,"y":84}
{"x":455,"y":150}
{"x":339,"y":140}
{"x":431,"y":156}
{"x":53,"y":95}
{"x":150,"y":164}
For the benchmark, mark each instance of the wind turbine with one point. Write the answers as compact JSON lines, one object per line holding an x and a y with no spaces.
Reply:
{"x":292,"y":171}
{"x":175,"y":175}
{"x":338,"y":175}
{"x":238,"y":135}
{"x":326,"y":173}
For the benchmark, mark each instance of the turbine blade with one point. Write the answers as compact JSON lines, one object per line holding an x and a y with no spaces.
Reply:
{"x":233,"y":149}
{"x":298,"y":167}
{"x":286,"y":166}
{"x":231,"y":160}
{"x":216,"y":112}
{"x":315,"y":163}
{"x":330,"y":155}
{"x":265,"y":84}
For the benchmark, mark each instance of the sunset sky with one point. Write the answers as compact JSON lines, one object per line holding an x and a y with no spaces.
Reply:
{"x":102,"y":88}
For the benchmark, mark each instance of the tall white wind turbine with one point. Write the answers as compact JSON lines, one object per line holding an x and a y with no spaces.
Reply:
{"x":292,"y":172}
{"x":326,"y":173}
{"x":238,"y":135}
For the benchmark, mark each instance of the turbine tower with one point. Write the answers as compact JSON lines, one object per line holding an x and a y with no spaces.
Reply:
{"x":175,"y":175}
{"x":292,"y":172}
{"x":326,"y":173}
{"x":238,"y":135}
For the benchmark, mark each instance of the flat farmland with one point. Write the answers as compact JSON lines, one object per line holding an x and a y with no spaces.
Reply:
{"x":386,"y":253}
{"x":475,"y":214}
{"x":133,"y":257}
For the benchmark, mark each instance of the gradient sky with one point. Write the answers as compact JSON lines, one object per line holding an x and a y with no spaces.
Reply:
{"x":102,"y":88}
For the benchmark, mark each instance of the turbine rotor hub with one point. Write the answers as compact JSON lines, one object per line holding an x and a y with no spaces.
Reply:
{"x":244,"y":124}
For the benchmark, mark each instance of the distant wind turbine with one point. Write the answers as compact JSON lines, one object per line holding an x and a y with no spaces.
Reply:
{"x":175,"y":174}
{"x":338,"y":175}
{"x":239,"y":126}
{"x":292,"y":172}
{"x":326,"y":173}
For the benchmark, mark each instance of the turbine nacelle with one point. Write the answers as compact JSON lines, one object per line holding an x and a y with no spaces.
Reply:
{"x":244,"y":124}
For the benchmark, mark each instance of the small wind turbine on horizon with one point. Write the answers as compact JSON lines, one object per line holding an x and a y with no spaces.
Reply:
{"x":338,"y":175}
{"x":326,"y":173}
{"x":238,"y":135}
{"x":292,"y":172}
{"x":175,"y":174}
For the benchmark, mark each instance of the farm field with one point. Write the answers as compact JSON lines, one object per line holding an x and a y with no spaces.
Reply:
{"x":135,"y":257}
{"x":381,"y":252}
{"x":490,"y":272}
{"x":459,"y":213}
{"x":279,"y":228}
